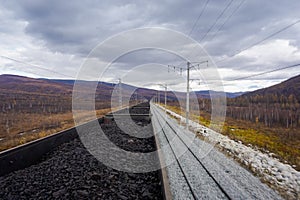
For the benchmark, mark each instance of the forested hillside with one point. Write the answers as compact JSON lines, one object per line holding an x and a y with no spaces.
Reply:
{"x":278,"y":105}
{"x":32,"y":108}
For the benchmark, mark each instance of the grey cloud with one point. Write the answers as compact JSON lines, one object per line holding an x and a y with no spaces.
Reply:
{"x":76,"y":27}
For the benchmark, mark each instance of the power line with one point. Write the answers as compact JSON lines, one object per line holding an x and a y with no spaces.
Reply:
{"x":266,"y":72}
{"x":196,"y":22}
{"x":260,"y":41}
{"x":227,"y":19}
{"x":36,"y":66}
{"x":218,"y":18}
{"x":30,"y":72}
{"x":258,"y":74}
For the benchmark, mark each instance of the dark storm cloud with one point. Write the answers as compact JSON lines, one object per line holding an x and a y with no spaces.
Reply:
{"x":76,"y":27}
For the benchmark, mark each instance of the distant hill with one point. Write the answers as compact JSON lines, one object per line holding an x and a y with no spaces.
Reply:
{"x":277,"y":105}
{"x":207,"y":93}
{"x":55,"y":86}
{"x":68,"y":82}
{"x":286,"y":88}
{"x":71,"y":82}
{"x":61,"y":86}
{"x":31,"y":85}
{"x":234,"y":94}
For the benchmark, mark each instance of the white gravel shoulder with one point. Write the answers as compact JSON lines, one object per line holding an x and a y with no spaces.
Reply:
{"x":283,"y":176}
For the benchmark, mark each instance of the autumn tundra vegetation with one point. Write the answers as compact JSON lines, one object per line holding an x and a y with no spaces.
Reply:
{"x":33,"y":108}
{"x":267,"y":119}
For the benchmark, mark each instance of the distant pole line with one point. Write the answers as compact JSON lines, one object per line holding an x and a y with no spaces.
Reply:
{"x":120,"y":93}
{"x":187,"y":111}
{"x":165,"y":86}
{"x":158,"y":97}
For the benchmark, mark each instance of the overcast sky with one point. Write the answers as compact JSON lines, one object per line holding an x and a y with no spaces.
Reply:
{"x":52,"y":38}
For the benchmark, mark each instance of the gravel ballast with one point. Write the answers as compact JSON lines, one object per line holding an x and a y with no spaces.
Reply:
{"x":236,"y":181}
{"x":71,"y":172}
{"x":280,"y":176}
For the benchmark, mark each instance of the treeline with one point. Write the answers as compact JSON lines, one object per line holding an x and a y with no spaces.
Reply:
{"x":28,"y":103}
{"x":43,"y":104}
{"x":270,"y":109}
{"x":25,"y":113}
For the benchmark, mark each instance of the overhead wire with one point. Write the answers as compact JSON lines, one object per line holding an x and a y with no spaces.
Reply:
{"x":198,"y":18}
{"x":254,"y":44}
{"x":196,"y":22}
{"x":36,"y":66}
{"x":260,"y":41}
{"x":227,"y":19}
{"x":29,"y":72}
{"x":191,"y":31}
{"x":223,"y":82}
{"x":216,"y":21}
{"x":194,"y":25}
{"x":266,"y":72}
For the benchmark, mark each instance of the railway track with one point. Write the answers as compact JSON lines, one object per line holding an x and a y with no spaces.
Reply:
{"x":202,"y":177}
{"x":59,"y":166}
{"x":170,"y":132}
